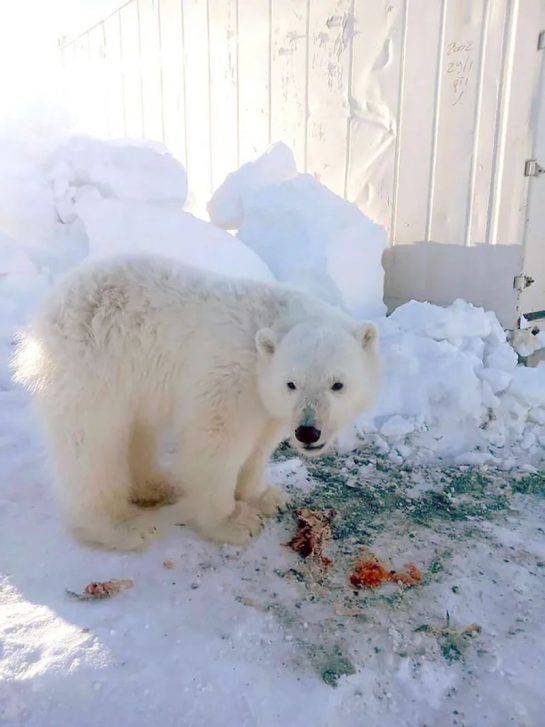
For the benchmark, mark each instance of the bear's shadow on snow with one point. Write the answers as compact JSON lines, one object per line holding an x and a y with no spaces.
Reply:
{"x":42,"y":561}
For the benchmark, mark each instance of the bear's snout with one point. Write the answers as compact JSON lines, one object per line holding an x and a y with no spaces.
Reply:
{"x":307,"y":434}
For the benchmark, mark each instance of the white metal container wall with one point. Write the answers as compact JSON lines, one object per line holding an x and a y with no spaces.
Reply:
{"x":420,"y":111}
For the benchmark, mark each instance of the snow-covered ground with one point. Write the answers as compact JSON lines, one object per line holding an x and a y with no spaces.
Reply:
{"x":447,"y":473}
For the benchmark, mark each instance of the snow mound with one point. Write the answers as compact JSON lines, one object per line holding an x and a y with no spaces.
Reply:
{"x":62,"y":201}
{"x":127,"y":197}
{"x":453,"y":324}
{"x":528,"y":341}
{"x":121,"y":169}
{"x":115,"y":226}
{"x":27,"y":209}
{"x":453,"y":390}
{"x":276,"y":165}
{"x":307,"y":235}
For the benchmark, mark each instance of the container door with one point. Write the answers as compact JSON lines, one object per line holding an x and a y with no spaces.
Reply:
{"x":532,"y":297}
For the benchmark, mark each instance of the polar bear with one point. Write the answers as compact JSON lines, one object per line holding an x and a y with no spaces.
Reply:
{"x":128,"y":348}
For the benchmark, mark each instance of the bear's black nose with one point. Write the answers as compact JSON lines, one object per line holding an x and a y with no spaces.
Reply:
{"x":307,"y":435}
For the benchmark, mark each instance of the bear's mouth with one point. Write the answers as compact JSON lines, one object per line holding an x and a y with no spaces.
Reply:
{"x":313,"y":447}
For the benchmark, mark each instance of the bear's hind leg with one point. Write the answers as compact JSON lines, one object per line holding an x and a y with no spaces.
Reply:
{"x":94,"y":483}
{"x":150,"y":481}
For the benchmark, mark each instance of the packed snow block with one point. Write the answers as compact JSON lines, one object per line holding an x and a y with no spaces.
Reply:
{"x":307,"y":235}
{"x":27,"y":210}
{"x":397,"y":426}
{"x":121,"y":169}
{"x":528,"y":385}
{"x":497,"y":379}
{"x":119,"y":226}
{"x":276,"y":165}
{"x":527,"y":341}
{"x":14,"y":259}
{"x":24,"y":276}
{"x":310,"y":237}
{"x":454,"y":323}
{"x":451,"y":385}
{"x":430,"y":381}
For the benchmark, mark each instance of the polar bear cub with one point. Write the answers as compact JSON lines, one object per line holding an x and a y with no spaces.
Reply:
{"x":127,"y":349}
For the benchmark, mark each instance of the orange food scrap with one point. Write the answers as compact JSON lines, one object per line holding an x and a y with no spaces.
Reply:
{"x":313,"y":534}
{"x":411,"y":577}
{"x":106,"y":589}
{"x":370,"y":573}
{"x":97,"y":590}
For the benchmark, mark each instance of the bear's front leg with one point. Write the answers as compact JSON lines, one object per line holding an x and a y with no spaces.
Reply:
{"x":209,"y":476}
{"x":209,"y":505}
{"x":251,"y":485}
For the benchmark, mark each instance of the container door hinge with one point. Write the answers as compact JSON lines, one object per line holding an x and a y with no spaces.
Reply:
{"x":532,"y":168}
{"x":541,"y":40}
{"x":521,"y":282}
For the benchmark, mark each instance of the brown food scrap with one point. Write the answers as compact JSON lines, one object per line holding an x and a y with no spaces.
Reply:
{"x":313,"y":534}
{"x":168,"y":564}
{"x":450,"y":631}
{"x":105,"y":589}
{"x":246,"y":601}
{"x":370,"y":573}
{"x":98,"y":590}
{"x":410,"y":577}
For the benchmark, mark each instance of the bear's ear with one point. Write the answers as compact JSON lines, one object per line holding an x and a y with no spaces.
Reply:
{"x":265,"y":342}
{"x":367,"y":334}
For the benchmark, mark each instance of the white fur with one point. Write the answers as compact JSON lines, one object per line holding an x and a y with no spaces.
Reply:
{"x":126,"y":349}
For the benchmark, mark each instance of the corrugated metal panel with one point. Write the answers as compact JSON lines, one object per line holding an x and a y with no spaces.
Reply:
{"x":420,"y":111}
{"x":196,"y":23}
{"x":173,"y":77}
{"x":288,"y":81}
{"x":131,"y":70}
{"x":254,"y":72}
{"x":115,"y":107}
{"x":330,"y":33}
{"x":151,"y":69}
{"x":224,"y":102}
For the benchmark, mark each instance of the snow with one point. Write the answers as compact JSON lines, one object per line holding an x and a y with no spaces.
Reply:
{"x":123,"y":169}
{"x":397,"y":426}
{"x":23,"y":187}
{"x":452,"y":386}
{"x":129,"y":197}
{"x":528,"y":340}
{"x":245,"y":637}
{"x":163,"y":228}
{"x":307,"y":235}
{"x":276,"y":165}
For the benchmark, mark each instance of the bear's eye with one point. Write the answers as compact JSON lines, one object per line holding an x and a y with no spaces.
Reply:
{"x":337,"y":386}
{"x":291,"y":385}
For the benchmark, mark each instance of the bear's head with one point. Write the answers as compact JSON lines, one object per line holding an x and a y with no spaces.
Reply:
{"x":318,"y":377}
